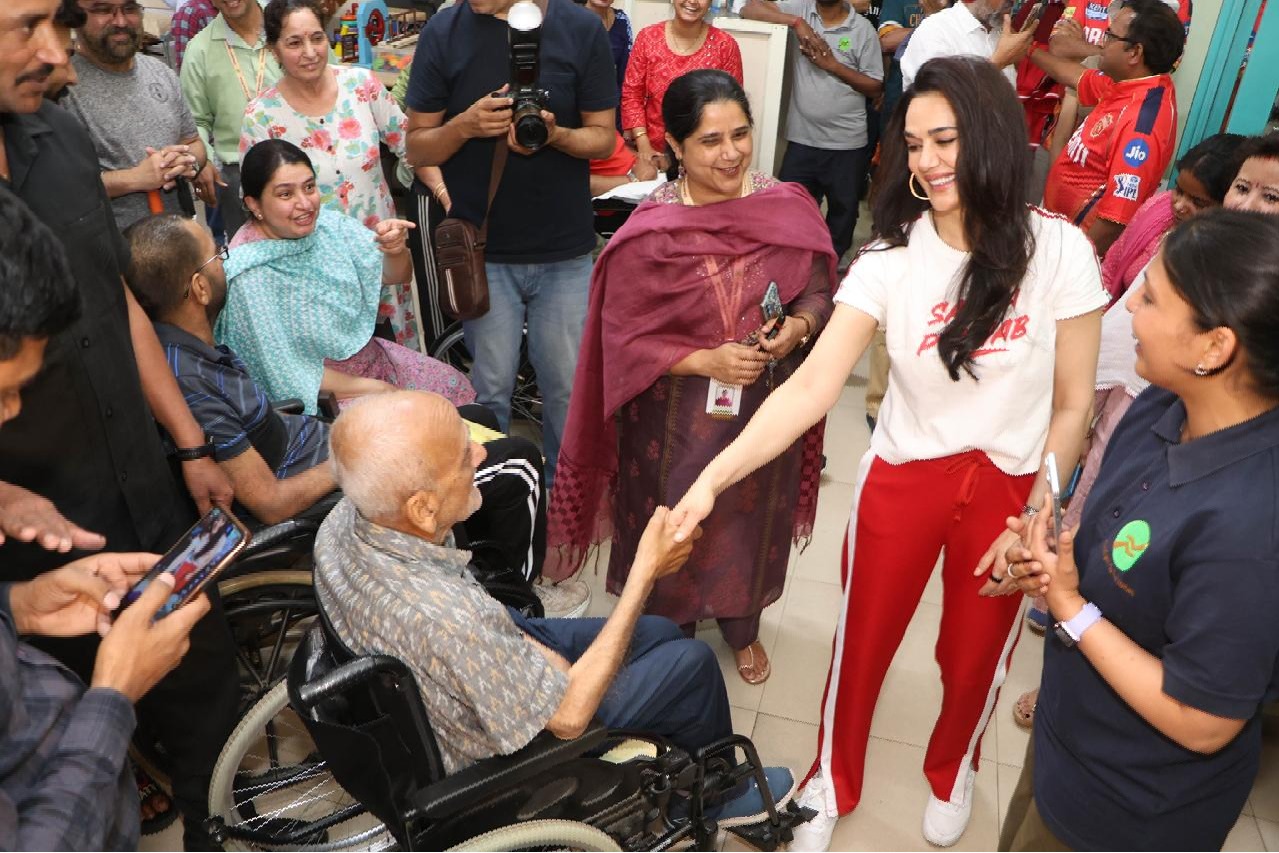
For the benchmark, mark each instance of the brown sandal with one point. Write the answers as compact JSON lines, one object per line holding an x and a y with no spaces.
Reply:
{"x":1024,"y":708}
{"x":761,"y":675}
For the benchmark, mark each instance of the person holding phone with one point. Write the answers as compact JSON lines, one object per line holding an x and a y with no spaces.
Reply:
{"x":1148,"y":732}
{"x":991,"y":310}
{"x":677,"y":356}
{"x":64,"y":780}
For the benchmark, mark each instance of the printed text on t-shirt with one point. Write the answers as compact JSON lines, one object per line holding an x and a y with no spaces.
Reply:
{"x":1009,"y":330}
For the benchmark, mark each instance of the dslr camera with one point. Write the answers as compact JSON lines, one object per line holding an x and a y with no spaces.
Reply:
{"x":525,"y":34}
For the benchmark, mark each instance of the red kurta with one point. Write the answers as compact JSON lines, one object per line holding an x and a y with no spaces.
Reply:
{"x":654,"y":65}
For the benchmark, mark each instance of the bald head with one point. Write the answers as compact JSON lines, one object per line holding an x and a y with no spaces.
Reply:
{"x":405,"y":457}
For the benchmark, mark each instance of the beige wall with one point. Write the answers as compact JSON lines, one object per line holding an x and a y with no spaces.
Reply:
{"x":1192,"y":62}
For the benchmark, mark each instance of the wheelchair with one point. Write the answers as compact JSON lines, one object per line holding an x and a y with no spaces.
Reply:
{"x":360,"y":769}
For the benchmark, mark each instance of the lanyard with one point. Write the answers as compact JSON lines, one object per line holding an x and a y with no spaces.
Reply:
{"x":235,"y":63}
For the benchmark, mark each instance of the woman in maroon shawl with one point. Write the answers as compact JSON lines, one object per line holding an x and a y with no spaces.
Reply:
{"x":676,"y":358}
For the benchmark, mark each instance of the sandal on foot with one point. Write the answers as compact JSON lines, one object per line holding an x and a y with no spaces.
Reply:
{"x":149,"y":791}
{"x":743,"y":669}
{"x":1024,"y":708}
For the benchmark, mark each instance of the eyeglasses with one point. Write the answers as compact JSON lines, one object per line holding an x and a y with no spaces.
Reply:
{"x":108,"y":10}
{"x":224,"y":252}
{"x":1110,"y":36}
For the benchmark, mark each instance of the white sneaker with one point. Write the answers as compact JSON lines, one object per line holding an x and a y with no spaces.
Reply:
{"x":567,"y":599}
{"x":814,"y":835}
{"x":945,"y":822}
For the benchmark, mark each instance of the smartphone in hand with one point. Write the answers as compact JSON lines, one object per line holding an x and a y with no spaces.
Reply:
{"x":1054,"y":489}
{"x":195,"y":560}
{"x":772,"y":309}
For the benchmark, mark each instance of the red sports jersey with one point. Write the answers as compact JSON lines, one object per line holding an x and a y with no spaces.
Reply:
{"x":1116,"y":158}
{"x":1040,"y":95}
{"x":1094,"y":16}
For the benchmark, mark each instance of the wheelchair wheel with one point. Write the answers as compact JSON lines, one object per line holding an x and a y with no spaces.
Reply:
{"x":268,"y":612}
{"x":271,"y":790}
{"x":542,"y":835}
{"x":526,"y":399}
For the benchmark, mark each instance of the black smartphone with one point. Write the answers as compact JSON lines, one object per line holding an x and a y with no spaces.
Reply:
{"x":1054,"y":489}
{"x":197,"y":558}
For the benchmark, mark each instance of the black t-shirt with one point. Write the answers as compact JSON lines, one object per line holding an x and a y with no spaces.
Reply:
{"x":85,"y":439}
{"x":1179,"y":547}
{"x":542,"y":211}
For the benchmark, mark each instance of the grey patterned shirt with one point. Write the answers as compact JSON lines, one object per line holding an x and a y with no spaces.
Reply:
{"x":487,"y":690}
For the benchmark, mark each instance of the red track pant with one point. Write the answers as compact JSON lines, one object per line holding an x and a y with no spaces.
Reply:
{"x":903,"y":516}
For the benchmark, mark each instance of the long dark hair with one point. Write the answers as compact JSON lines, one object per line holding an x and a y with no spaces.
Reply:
{"x":1236,"y":287}
{"x":991,"y":174}
{"x":688,"y":96}
{"x":260,"y":163}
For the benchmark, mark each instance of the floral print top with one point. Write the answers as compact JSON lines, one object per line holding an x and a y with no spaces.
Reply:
{"x":343,"y":145}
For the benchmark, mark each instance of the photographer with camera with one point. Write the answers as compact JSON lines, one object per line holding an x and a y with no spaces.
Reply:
{"x":492,"y":76}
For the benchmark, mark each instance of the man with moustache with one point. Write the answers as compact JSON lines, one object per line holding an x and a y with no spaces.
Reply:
{"x":69,"y":18}
{"x":82,"y":466}
{"x":133,"y":107}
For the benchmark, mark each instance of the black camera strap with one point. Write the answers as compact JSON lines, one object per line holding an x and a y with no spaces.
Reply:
{"x":495,"y":177}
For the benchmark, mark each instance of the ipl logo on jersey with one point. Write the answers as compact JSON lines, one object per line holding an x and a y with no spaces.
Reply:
{"x":1136,"y":152}
{"x":1127,"y":187}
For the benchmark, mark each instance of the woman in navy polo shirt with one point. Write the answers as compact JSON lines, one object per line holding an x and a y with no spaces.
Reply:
{"x":1148,"y":732}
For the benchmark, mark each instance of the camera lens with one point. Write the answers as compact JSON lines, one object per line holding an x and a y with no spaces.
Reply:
{"x":530,"y":127}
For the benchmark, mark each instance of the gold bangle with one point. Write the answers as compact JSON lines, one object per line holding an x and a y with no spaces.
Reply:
{"x":638,"y":132}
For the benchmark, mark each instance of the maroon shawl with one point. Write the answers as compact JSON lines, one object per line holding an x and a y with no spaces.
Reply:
{"x":653,"y":302}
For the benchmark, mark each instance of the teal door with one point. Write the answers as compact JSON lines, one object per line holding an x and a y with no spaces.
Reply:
{"x":1240,"y":82}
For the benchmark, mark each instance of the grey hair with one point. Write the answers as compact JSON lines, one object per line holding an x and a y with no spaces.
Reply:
{"x":382,"y":467}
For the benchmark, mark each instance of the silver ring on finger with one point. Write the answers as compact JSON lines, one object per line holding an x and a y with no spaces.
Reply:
{"x":1012,"y":570}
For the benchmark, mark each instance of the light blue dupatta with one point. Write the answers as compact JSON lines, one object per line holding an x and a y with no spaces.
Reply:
{"x":293,"y":303}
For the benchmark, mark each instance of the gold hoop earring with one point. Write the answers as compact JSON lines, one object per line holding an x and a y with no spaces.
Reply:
{"x":910,"y":183}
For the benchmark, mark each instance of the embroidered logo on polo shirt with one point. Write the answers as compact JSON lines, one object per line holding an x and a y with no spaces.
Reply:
{"x":1130,"y":544}
{"x":845,"y":43}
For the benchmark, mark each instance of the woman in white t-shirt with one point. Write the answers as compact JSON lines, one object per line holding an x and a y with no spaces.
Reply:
{"x":991,"y":311}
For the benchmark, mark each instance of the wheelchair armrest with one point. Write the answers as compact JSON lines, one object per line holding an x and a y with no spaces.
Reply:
{"x":466,"y":787}
{"x":291,"y":406}
{"x":328,"y":406}
{"x":351,"y":674}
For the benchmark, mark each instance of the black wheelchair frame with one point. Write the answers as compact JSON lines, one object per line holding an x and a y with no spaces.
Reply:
{"x":368,"y":723}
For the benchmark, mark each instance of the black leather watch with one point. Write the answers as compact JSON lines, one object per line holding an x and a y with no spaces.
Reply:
{"x":191,"y":454}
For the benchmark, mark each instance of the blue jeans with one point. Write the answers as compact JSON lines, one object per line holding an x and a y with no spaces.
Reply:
{"x":668,"y":685}
{"x":552,"y":299}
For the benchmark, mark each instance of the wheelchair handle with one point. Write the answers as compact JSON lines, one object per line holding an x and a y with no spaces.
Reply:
{"x":350,"y":674}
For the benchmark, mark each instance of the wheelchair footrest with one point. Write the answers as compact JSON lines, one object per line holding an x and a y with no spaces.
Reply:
{"x":767,"y":835}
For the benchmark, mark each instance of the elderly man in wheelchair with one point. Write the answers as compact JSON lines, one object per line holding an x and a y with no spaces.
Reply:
{"x":449,"y":715}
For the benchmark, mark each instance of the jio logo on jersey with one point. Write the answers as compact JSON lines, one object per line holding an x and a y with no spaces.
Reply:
{"x":1135,"y":152}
